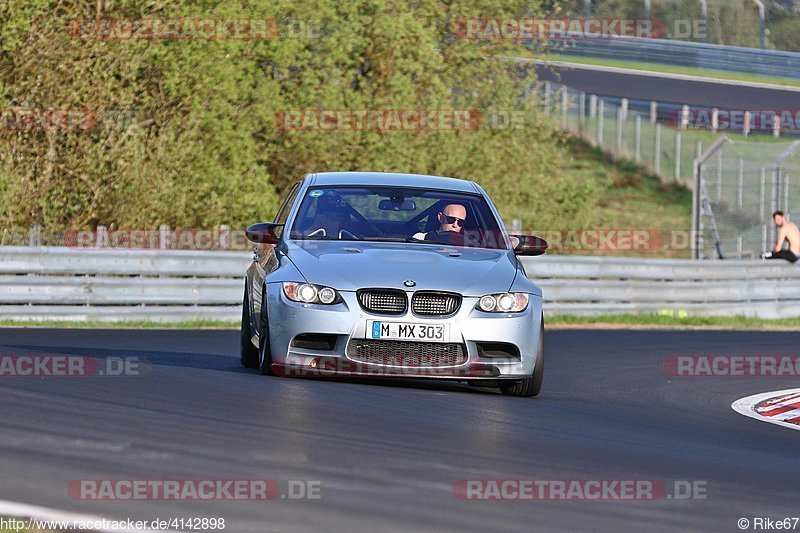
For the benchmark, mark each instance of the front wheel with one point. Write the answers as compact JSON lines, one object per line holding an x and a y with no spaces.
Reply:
{"x":531,"y":386}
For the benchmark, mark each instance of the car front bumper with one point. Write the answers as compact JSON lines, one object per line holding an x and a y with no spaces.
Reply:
{"x":343,"y":323}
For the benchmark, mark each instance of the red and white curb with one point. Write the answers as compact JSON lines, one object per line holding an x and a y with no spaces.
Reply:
{"x":779,"y":407}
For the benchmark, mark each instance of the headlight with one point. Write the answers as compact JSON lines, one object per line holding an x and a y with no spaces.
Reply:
{"x":308,"y":293}
{"x":506,"y":302}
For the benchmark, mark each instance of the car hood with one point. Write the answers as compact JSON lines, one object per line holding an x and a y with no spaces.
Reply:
{"x":350,"y":266}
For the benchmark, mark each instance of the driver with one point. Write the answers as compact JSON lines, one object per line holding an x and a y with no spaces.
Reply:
{"x":451,"y":220}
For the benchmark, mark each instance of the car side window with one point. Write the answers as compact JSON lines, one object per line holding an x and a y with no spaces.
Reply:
{"x":286,"y":206}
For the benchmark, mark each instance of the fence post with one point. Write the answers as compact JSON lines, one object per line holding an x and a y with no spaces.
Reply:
{"x":35,"y":235}
{"x":762,"y":198}
{"x":624,"y":103}
{"x":776,"y":127}
{"x":741,"y":184}
{"x":677,"y":156}
{"x":164,"y":237}
{"x":775,"y":199}
{"x":564,"y":107}
{"x":685,"y":117}
{"x":620,"y":119}
{"x":581,"y":111}
{"x":719,"y":176}
{"x":714,"y":120}
{"x":657,"y":150}
{"x":653,"y":112}
{"x":748,"y":121}
{"x":102,"y":237}
{"x":786,"y":192}
{"x":547,"y":98}
{"x":600,"y":117}
{"x":638,"y":138}
{"x":593,"y":106}
{"x":224,"y":237}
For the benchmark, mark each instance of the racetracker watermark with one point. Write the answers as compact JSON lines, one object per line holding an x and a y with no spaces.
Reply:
{"x":611,"y":240}
{"x":525,"y":29}
{"x":193,"y":489}
{"x":178,"y":239}
{"x":385,"y":120}
{"x":67,"y":366}
{"x":418,"y":366}
{"x":732,"y":366}
{"x":764,"y":120}
{"x":579,"y":489}
{"x":187,"y":29}
{"x":40,"y":119}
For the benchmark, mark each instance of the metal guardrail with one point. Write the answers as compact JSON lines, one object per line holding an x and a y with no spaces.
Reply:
{"x":689,"y":54}
{"x":114,"y":285}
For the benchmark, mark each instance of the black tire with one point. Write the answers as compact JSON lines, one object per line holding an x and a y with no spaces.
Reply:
{"x":531,"y":386}
{"x":249,"y":353}
{"x":264,"y":352}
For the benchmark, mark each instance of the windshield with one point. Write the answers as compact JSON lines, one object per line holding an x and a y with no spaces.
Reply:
{"x":397,"y":214}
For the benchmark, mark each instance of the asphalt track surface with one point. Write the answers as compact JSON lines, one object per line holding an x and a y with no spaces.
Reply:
{"x":671,"y":90}
{"x":388,"y":454}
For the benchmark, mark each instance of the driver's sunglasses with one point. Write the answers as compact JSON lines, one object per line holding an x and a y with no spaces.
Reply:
{"x":453,"y":220}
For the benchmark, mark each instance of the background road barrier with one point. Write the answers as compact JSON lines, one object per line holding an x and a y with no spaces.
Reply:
{"x":52,"y":283}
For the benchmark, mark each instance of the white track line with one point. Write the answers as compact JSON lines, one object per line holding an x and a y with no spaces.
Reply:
{"x":669,"y":75}
{"x":746,"y":407}
{"x":24,"y":511}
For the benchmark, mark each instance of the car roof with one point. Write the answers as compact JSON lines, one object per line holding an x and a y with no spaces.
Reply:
{"x":387,"y":179}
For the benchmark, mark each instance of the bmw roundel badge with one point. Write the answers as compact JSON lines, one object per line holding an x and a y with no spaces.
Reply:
{"x":409,"y":283}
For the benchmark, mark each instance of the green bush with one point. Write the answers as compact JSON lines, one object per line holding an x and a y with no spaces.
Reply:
{"x":198,"y":144}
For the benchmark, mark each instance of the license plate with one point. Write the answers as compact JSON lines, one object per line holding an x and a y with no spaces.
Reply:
{"x":407,"y":332}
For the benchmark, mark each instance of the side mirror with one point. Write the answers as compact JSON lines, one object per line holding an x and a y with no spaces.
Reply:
{"x":262,"y":233}
{"x":528,"y":245}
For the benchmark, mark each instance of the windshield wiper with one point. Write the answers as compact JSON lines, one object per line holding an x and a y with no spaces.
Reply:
{"x":384,"y":239}
{"x":423,"y":241}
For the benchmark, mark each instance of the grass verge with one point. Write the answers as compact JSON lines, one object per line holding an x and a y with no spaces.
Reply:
{"x":672,"y":320}
{"x":137,"y":324}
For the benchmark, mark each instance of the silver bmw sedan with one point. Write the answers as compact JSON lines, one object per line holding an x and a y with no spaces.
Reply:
{"x":393,"y":275}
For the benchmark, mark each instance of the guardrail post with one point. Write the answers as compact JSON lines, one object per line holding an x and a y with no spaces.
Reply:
{"x":748,"y":122}
{"x":657,"y":150}
{"x":564,"y":106}
{"x":620,"y":120}
{"x":638,"y":121}
{"x":653,"y":112}
{"x":600,"y":118}
{"x":102,"y":237}
{"x":677,"y":156}
{"x":164,"y":237}
{"x":35,"y":235}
